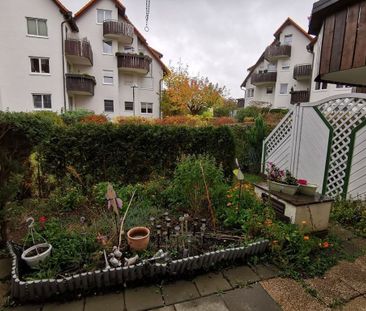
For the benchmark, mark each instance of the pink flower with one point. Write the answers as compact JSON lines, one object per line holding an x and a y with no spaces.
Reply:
{"x":302,"y":182}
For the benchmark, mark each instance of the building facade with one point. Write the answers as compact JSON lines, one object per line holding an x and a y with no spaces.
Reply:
{"x":96,"y":60}
{"x":284,"y":75}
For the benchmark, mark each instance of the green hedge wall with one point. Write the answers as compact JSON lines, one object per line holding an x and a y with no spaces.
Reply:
{"x":132,"y":153}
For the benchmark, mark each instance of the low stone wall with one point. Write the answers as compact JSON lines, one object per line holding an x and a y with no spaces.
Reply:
{"x":39,"y":290}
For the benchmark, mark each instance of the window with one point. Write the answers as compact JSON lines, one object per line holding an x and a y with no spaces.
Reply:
{"x":321,"y":85}
{"x":129,"y":106}
{"x":286,"y":66}
{"x":42,"y":101}
{"x":272,"y":67}
{"x":250,"y":92}
{"x":269,"y":90}
{"x":37,"y":27}
{"x":103,"y":15}
{"x":107,"y":47}
{"x":108,"y":77}
{"x":287,"y":40}
{"x":340,"y":86}
{"x":283,"y":88}
{"x":108,"y":105}
{"x":40,"y":65}
{"x":146,"y":108}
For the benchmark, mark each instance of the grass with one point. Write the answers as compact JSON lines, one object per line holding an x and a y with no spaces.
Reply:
{"x":252,"y":178}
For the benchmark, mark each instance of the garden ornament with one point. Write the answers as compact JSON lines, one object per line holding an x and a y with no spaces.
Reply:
{"x":116,"y":252}
{"x":107,"y":266}
{"x":186,"y":218}
{"x":37,"y":252}
{"x":114,"y":261}
{"x":168,"y":226}
{"x":181,"y":220}
{"x":131,"y":261}
{"x":114,"y":203}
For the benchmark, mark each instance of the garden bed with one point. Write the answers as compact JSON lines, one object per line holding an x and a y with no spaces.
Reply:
{"x":46,"y":288}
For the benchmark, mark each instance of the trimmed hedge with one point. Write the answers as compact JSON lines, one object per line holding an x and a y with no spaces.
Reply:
{"x":132,"y":153}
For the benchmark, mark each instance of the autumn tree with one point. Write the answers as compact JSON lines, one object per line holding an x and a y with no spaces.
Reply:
{"x":184,"y":94}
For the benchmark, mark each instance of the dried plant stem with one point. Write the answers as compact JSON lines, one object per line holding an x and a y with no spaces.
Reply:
{"x":212,"y":212}
{"x":121,"y":232}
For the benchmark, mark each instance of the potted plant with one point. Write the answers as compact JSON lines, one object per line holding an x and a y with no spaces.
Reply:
{"x":306,"y":188}
{"x":279,"y":181}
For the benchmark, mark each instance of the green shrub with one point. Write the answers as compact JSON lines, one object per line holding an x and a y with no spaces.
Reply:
{"x":248,"y":112}
{"x":188,"y":187}
{"x":222,"y":112}
{"x":132,"y":153}
{"x":351,"y":213}
{"x":51,"y":116}
{"x":73,"y":117}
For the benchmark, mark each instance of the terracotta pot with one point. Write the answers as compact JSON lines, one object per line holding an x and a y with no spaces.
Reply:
{"x":138,"y":238}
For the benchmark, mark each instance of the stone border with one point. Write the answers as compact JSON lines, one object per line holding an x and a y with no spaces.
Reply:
{"x":39,"y":290}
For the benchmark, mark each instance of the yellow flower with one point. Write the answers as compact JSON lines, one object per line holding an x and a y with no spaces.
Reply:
{"x":306,"y":238}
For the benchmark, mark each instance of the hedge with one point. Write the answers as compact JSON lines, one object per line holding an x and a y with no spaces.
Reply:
{"x":132,"y":153}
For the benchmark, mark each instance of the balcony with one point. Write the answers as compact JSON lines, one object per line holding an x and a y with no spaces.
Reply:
{"x":133,"y":63}
{"x":265,"y":78}
{"x":302,"y":72}
{"x":276,"y":52}
{"x":300,"y":97}
{"x":118,"y":30}
{"x":80,"y":84}
{"x":79,"y":52}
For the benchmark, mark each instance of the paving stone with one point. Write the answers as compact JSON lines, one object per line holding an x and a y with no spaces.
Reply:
{"x":74,"y":306}
{"x":291,"y":296}
{"x":266,"y":271}
{"x":340,"y":232}
{"x":5,"y":268}
{"x":114,"y":302}
{"x":143,"y":298}
{"x":354,"y":247}
{"x":168,"y":308}
{"x":241,"y":276}
{"x":211,"y":283}
{"x":4,"y":290}
{"x":24,"y":308}
{"x":179,"y":291}
{"x":357,"y":304}
{"x":361,"y":261}
{"x":332,"y":289}
{"x":352,"y":274}
{"x":253,"y":298}
{"x":212,"y":303}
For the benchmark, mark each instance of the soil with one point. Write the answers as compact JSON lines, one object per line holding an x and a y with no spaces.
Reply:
{"x":39,"y":250}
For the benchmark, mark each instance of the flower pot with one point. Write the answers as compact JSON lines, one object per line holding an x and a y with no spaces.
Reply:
{"x":36,"y":254}
{"x":280,"y":187}
{"x":138,"y":238}
{"x":309,"y":189}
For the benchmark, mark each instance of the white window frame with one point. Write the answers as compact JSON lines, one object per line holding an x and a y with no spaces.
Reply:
{"x":286,"y":66}
{"x":282,"y":84}
{"x":36,"y":19}
{"x":104,"y":19}
{"x":319,"y":86}
{"x":146,"y":107}
{"x":43,"y":95}
{"x":285,"y":38}
{"x":40,"y":66}
{"x":106,"y":53}
{"x":108,"y":74}
{"x":109,"y":100}
{"x":250,"y":93}
{"x":272,"y":67}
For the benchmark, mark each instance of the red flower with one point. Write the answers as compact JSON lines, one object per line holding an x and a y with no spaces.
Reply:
{"x":303,"y":182}
{"x":325,"y":245}
{"x":42,"y":219}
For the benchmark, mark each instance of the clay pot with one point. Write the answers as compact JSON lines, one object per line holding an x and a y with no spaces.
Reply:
{"x":138,"y":238}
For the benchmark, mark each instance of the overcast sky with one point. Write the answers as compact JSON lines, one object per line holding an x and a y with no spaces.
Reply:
{"x":219,"y":39}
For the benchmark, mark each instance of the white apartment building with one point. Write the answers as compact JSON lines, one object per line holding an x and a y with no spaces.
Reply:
{"x":283,"y":74}
{"x":96,"y":60}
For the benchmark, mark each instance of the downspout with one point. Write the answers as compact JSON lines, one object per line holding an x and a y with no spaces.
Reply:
{"x":63,"y":62}
{"x":160,"y":96}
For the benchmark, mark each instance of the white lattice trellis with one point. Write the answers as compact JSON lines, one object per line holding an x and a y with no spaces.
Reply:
{"x":281,"y":133}
{"x":343,"y":115}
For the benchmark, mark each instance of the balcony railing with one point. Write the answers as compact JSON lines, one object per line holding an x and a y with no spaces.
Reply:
{"x":302,"y":72}
{"x":264,"y":78}
{"x":300,"y":97}
{"x":79,"y":52}
{"x":80,"y":84}
{"x":274,"y":52}
{"x":133,"y":63}
{"x":118,"y":30}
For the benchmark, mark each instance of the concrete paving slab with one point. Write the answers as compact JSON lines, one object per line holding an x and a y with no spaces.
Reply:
{"x":179,"y":291}
{"x":332,"y":289}
{"x":114,"y":302}
{"x":211,"y":283}
{"x":357,"y":304}
{"x":168,"y":308}
{"x":291,"y":296}
{"x":4,"y":291}
{"x":212,"y":303}
{"x":74,"y":306}
{"x":143,"y":298}
{"x":354,"y":247}
{"x":253,"y":298}
{"x":241,"y":276}
{"x":5,"y":268}
{"x":340,"y":232}
{"x":24,"y":308}
{"x":266,"y":271}
{"x":352,"y":274}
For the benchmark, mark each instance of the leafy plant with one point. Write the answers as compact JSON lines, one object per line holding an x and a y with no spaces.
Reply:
{"x":73,"y":117}
{"x":289,"y":179}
